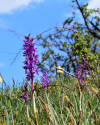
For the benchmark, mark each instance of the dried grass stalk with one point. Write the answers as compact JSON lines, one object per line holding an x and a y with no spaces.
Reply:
{"x":95,"y":118}
{"x":69,"y":102}
{"x":46,"y":108}
{"x":80,"y":117}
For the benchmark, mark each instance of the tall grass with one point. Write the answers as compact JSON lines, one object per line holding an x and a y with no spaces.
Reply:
{"x":67,"y":103}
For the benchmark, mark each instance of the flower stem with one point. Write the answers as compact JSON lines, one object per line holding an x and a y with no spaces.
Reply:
{"x":34,"y":106}
{"x":27,"y":111}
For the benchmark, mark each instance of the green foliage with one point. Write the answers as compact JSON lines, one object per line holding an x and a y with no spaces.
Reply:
{"x":68,"y":21}
{"x":75,"y":40}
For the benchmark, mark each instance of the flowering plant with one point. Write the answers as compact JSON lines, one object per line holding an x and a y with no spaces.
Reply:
{"x":45,"y":80}
{"x":31,"y":60}
{"x":81,"y":70}
{"x":59,"y":69}
{"x":30,"y":69}
{"x":0,"y":79}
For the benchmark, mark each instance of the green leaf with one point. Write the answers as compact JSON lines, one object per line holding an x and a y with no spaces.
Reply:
{"x":68,"y":21}
{"x":64,"y":44}
{"x":95,"y":17}
{"x":60,"y":30}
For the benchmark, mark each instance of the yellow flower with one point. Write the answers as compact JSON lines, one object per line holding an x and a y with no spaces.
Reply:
{"x":59,"y":69}
{"x":0,"y":79}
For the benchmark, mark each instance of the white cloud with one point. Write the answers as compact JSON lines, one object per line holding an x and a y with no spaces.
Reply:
{"x":7,"y":6}
{"x":93,"y":4}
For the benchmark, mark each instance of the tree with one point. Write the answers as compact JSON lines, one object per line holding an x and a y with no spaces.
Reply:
{"x":75,"y":40}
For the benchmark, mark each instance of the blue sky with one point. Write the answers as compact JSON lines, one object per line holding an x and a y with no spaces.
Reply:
{"x":23,"y":17}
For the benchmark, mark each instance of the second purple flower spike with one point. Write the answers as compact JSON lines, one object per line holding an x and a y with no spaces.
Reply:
{"x":81,"y":69}
{"x":45,"y":80}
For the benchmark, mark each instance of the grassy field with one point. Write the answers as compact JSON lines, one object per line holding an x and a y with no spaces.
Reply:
{"x":68,"y":102}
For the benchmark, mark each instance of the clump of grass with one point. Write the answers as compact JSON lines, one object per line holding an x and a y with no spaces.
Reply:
{"x":65,"y":104}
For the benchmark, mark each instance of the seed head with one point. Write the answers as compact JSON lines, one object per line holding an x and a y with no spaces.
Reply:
{"x":94,"y":91}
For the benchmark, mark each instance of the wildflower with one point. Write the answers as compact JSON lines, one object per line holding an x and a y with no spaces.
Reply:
{"x":59,"y":69}
{"x":81,"y":69}
{"x":45,"y":80}
{"x":30,"y":70}
{"x":31,"y":60}
{"x":0,"y":79}
{"x":25,"y":93}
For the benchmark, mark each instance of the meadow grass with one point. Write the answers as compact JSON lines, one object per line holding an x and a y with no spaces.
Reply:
{"x":68,"y":102}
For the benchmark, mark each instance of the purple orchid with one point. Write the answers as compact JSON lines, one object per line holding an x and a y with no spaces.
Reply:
{"x":31,"y":60}
{"x":45,"y":80}
{"x":81,"y":69}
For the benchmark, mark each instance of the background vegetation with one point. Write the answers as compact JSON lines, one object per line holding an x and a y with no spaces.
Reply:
{"x":69,"y":102}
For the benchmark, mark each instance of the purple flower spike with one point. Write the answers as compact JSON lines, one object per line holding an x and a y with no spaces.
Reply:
{"x":31,"y":60}
{"x":83,"y":59}
{"x":45,"y":80}
{"x":81,"y":69}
